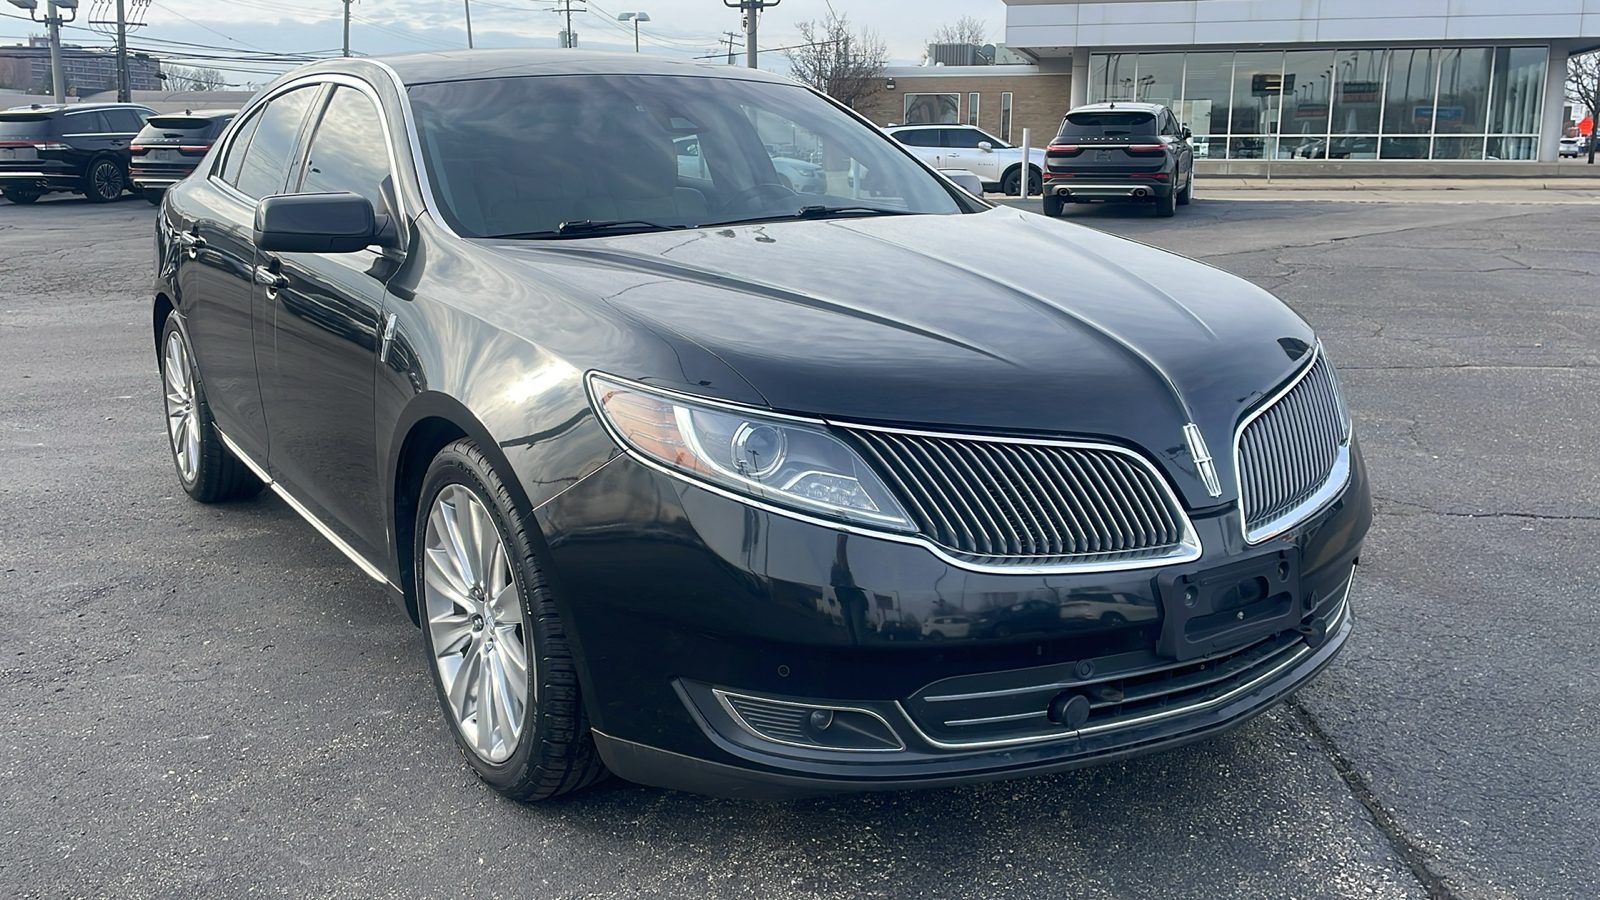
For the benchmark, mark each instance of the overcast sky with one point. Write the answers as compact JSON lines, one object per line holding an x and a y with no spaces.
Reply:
{"x":677,"y":27}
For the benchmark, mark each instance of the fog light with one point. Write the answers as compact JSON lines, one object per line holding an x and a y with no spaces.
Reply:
{"x":812,"y":725}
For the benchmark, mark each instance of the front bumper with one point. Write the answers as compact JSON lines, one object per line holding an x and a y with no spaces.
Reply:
{"x":716,"y":598}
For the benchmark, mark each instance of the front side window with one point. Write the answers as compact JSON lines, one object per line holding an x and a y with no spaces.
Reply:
{"x":970,"y":138}
{"x":349,"y":151}
{"x":265,"y":166}
{"x":567,"y":156}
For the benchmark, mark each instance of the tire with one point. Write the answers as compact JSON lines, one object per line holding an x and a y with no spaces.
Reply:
{"x":154,"y":195}
{"x":1011,"y":184}
{"x":1187,"y":197}
{"x":21,"y":197}
{"x":207,"y":469}
{"x":1167,"y":207}
{"x":479,"y":586}
{"x":105,"y":181}
{"x":1054,"y":207}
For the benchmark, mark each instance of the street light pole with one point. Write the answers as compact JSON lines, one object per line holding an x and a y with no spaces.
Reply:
{"x":637,"y":17}
{"x":124,"y":87}
{"x":346,"y":27}
{"x":54,"y":19}
{"x":468,"y":5}
{"x":752,"y":14}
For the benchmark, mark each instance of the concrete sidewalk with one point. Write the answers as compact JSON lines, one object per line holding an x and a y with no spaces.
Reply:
{"x":1567,"y":190}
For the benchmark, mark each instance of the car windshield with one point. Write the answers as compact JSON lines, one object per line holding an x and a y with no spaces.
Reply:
{"x":1108,"y":124}
{"x":525,"y":156}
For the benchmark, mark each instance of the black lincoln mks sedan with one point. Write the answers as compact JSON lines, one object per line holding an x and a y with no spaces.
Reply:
{"x":721,"y":487}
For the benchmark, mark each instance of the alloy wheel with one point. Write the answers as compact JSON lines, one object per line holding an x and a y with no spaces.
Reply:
{"x":183,"y":421}
{"x":106,"y":180}
{"x":477,"y":633}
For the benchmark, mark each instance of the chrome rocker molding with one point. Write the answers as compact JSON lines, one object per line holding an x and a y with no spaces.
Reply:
{"x":361,"y":561}
{"x":727,"y":707}
{"x":1188,"y":550}
{"x":1337,"y":620}
{"x":1338,"y":476}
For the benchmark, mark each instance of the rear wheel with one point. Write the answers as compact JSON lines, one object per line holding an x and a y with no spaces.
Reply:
{"x":1012,"y":183}
{"x":207,"y":469}
{"x":104,"y":182}
{"x":1054,"y":206}
{"x":153,"y":195}
{"x":1187,"y":197}
{"x":1167,"y":207}
{"x":497,"y":648}
{"x":20,"y":196}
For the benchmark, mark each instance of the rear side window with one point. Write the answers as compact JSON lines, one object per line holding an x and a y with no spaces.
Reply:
{"x":236,"y":151}
{"x":265,"y":166}
{"x":921,"y":137}
{"x":84,"y":123}
{"x":1108,"y":123}
{"x":23,"y":126}
{"x":124,"y":121}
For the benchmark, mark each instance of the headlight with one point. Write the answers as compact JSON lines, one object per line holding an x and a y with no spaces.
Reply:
{"x":789,"y":462}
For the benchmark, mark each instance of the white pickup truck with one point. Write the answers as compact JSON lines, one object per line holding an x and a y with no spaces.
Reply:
{"x":966,"y":147}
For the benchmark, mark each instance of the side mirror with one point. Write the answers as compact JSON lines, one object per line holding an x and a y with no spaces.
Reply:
{"x":985,"y":146}
{"x":321,"y":223}
{"x":1185,"y":133}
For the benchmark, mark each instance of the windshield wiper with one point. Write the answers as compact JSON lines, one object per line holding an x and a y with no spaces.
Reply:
{"x":816,"y":212}
{"x":580,"y":227}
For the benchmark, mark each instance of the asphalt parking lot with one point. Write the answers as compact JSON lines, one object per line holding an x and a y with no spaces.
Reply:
{"x":212,"y":701}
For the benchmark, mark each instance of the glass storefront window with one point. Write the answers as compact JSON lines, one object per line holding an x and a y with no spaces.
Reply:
{"x":1458,"y":147}
{"x":1408,"y":102}
{"x":1464,"y":92}
{"x":1005,"y":116}
{"x":1512,"y":148}
{"x":1303,"y":122}
{"x":1357,"y":77}
{"x":972,"y":109}
{"x":1160,"y":78}
{"x":1207,"y":93}
{"x":1257,"y":92}
{"x":1111,"y":76}
{"x":1514,"y":103}
{"x":932,"y":109}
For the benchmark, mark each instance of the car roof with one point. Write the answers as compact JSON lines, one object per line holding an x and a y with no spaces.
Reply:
{"x":468,"y":65}
{"x":946,"y":125}
{"x":1118,"y":105}
{"x":199,"y":114}
{"x":75,"y":107}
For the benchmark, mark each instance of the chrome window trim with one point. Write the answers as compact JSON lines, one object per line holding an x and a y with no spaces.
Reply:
{"x":1339,"y":619}
{"x":409,"y":120}
{"x":355,"y":556}
{"x":1338,"y":476}
{"x":1189,"y":548}
{"x":722,"y":699}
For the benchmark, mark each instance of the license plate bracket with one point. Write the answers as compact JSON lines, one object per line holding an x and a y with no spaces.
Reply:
{"x":1226,"y":607}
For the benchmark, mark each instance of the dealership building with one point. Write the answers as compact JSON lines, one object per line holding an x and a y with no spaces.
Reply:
{"x":1445,"y":80}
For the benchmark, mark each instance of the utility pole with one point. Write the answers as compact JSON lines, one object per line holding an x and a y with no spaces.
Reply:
{"x":568,"y":38}
{"x":54,"y":19}
{"x":731,"y":40}
{"x":347,"y":27}
{"x":124,"y":87}
{"x":468,"y":5}
{"x":752,"y":14}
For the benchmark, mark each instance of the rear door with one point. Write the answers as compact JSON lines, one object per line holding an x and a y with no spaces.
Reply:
{"x":216,"y":265}
{"x":962,"y":152}
{"x":1114,"y":143}
{"x":925,"y":143}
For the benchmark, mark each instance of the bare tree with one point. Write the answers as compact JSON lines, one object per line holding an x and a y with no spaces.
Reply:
{"x":1583,"y":89}
{"x":966,"y":30}
{"x":180,"y":78}
{"x":846,"y":66}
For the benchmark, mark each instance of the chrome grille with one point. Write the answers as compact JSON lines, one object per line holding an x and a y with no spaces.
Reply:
{"x":1290,"y":449}
{"x":1028,"y":502}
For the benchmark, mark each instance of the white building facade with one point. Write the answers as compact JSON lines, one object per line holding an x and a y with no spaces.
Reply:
{"x":1350,"y":80}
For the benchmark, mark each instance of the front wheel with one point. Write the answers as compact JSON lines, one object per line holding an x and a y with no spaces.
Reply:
{"x":207,"y":469}
{"x":105,"y":181}
{"x":497,"y":648}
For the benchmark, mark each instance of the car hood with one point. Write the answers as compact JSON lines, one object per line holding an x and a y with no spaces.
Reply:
{"x":997,"y":322}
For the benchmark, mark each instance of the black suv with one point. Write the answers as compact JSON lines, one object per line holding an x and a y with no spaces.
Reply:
{"x":170,"y":146}
{"x":78,"y":147}
{"x":1120,"y":152}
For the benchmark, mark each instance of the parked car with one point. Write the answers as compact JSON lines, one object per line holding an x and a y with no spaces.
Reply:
{"x":994,"y":161}
{"x":170,"y":146}
{"x":941,"y":628}
{"x":653,"y":460}
{"x":795,"y":174}
{"x":81,"y":147}
{"x":1120,"y":152}
{"x":1575,"y":146}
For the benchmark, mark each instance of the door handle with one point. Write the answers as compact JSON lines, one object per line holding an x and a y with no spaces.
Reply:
{"x":270,"y":279}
